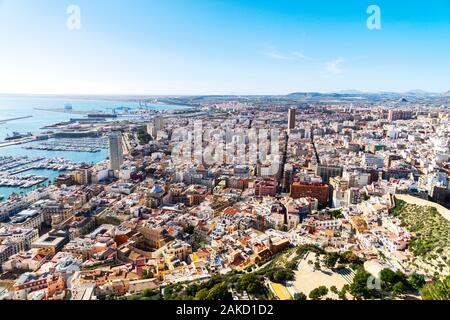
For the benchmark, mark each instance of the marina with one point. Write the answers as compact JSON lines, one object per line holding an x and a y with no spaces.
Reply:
{"x":23,"y":173}
{"x":57,"y":164}
{"x":8,"y":143}
{"x":90,"y":145}
{"x":9,"y":162}
{"x":23,"y":182}
{"x":22,"y":164}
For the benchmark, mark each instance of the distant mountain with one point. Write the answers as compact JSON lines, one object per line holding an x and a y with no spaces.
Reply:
{"x":410,"y":95}
{"x":351,"y":91}
{"x":305,"y":94}
{"x":419,"y":93}
{"x":340,"y":94}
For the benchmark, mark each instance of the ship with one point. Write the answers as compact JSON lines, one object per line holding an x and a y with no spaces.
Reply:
{"x":17,"y":136}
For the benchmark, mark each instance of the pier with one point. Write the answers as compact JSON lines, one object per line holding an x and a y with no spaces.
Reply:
{"x":2,"y":121}
{"x":16,"y":142}
{"x":62,"y":110}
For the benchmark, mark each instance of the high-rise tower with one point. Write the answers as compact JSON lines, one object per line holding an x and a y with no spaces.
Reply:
{"x":291,"y":119}
{"x":115,"y":151}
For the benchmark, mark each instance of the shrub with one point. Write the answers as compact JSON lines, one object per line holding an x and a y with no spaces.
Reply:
{"x":399,"y":288}
{"x":331,"y":259}
{"x":250,"y":282}
{"x":318,"y":293}
{"x":299,"y":296}
{"x":416,"y":281}
{"x":218,"y":292}
{"x":282,"y":275}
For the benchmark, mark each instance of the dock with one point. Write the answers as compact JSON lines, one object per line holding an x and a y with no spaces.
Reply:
{"x":2,"y":121}
{"x":16,"y":142}
{"x":69,"y":111}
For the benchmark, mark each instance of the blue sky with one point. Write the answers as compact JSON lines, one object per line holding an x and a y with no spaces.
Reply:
{"x":223,"y":46}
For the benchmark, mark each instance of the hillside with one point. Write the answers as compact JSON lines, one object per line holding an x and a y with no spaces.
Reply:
{"x":430,"y":245}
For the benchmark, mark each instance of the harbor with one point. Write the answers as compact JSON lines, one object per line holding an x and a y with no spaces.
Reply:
{"x":23,"y":182}
{"x":21,"y":174}
{"x":10,"y":162}
{"x":56,"y":164}
{"x":8,"y":143}
{"x":57,"y":133}
{"x":90,"y":145}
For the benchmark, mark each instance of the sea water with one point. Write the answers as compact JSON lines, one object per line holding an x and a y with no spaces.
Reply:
{"x":15,"y":107}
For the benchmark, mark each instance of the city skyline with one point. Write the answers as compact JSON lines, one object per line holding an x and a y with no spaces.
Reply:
{"x":213,"y":47}
{"x":234,"y":153}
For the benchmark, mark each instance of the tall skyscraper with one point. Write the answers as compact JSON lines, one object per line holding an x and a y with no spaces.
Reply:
{"x":156,"y":125}
{"x":291,"y":119}
{"x":158,"y":121}
{"x":115,"y":151}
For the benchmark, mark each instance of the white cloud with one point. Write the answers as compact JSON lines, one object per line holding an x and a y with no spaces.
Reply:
{"x":333,"y":66}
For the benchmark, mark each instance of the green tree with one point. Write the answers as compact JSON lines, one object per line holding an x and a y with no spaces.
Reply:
{"x":299,"y":296}
{"x":292,"y":265}
{"x":417,"y":281}
{"x":390,"y":278}
{"x":355,"y":266}
{"x":343,"y":292}
{"x":189,"y":229}
{"x":168,"y":291}
{"x":359,"y":288}
{"x":147,"y":293}
{"x":437,"y":290}
{"x":192,"y":290}
{"x":331,"y":259}
{"x":399,"y":289}
{"x":337,"y":214}
{"x":202,"y":294}
{"x":303,"y":249}
{"x":254,"y":288}
{"x":283,"y":275}
{"x":318,"y":293}
{"x":143,"y":136}
{"x":249,"y":282}
{"x":218,"y":292}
